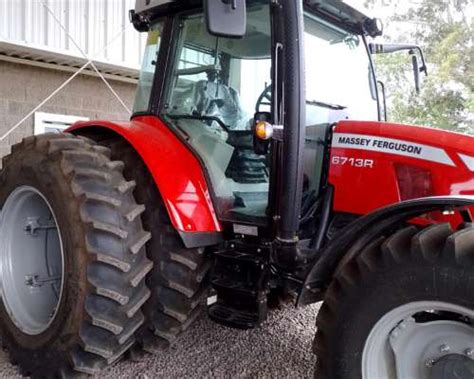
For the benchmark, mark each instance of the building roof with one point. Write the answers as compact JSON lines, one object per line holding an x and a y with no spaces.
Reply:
{"x":30,"y":32}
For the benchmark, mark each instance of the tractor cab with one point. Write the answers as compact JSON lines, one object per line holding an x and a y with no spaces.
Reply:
{"x":213,"y":90}
{"x":253,"y":90}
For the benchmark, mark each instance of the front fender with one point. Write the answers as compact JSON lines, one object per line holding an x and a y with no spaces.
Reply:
{"x":176,"y":171}
{"x":358,"y":234}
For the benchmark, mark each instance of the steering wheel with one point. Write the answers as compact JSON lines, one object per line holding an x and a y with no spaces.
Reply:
{"x":265,"y":99}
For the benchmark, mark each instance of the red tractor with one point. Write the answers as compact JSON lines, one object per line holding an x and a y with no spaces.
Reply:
{"x":243,"y":172}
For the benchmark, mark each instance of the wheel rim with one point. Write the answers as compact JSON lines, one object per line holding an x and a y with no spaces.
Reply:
{"x":31,"y":260}
{"x":404,"y":345}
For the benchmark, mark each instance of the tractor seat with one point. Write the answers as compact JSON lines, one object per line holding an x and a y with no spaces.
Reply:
{"x":216,"y":99}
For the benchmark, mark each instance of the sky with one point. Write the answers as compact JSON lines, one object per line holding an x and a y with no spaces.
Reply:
{"x":387,"y":6}
{"x":386,"y":9}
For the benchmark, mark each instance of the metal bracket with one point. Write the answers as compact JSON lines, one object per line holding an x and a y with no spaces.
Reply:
{"x":33,"y":224}
{"x":35,"y":281}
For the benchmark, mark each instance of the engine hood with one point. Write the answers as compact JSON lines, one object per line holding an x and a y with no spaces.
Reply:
{"x":366,"y":157}
{"x":449,"y":141}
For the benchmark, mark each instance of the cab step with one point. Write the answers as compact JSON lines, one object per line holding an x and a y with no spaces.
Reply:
{"x":240,"y":282}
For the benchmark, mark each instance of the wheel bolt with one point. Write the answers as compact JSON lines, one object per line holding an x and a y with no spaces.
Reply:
{"x":444,"y":348}
{"x":469,"y":352}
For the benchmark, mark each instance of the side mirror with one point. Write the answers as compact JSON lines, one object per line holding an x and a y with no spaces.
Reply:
{"x":262,"y":132}
{"x":226,"y":18}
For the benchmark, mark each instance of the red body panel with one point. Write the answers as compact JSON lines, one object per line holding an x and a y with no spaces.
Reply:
{"x":176,"y":171}
{"x":364,"y":156}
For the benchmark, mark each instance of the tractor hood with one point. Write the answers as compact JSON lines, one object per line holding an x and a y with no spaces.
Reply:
{"x":386,"y":163}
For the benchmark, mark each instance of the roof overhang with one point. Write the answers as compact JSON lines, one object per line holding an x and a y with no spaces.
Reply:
{"x":38,"y":56}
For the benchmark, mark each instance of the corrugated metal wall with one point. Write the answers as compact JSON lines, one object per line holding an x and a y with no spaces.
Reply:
{"x":92,"y":23}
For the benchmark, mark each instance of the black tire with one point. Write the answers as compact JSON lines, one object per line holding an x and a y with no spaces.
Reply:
{"x":431,"y":264}
{"x":179,"y":279}
{"x":105,"y":261}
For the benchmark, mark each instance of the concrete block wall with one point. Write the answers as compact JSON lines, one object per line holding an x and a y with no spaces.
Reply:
{"x":22,"y":87}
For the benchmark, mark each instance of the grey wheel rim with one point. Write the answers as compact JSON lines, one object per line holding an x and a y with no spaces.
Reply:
{"x":31,"y":260}
{"x":399,"y":347}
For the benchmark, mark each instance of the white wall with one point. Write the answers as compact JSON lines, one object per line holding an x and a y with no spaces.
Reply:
{"x":92,"y":23}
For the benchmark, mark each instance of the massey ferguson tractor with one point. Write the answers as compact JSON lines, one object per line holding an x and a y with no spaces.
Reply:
{"x":256,"y":168}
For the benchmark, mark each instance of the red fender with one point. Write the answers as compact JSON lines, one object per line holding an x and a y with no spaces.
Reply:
{"x":176,"y":170}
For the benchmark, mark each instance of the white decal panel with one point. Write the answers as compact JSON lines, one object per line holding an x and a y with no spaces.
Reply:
{"x":468,"y":161}
{"x":391,"y":146}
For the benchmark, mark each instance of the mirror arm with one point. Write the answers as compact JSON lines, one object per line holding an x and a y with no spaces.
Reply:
{"x":380,"y":48}
{"x":416,"y":70}
{"x":387,"y":48}
{"x":384,"y":99}
{"x":423,"y":67}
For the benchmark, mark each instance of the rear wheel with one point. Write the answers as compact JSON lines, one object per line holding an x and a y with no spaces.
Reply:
{"x":72,"y":257}
{"x":403,"y":309}
{"x":179,"y":279}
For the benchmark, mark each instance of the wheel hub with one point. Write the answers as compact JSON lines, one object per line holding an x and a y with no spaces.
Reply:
{"x":31,"y":260}
{"x":453,"y":366}
{"x":418,"y":347}
{"x":403,"y":345}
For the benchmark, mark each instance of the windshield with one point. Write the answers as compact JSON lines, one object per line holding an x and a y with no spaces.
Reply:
{"x":339,"y":83}
{"x":339,"y":86}
{"x":216,"y":87}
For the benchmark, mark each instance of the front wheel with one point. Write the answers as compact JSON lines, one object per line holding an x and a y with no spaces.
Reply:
{"x":403,"y":309}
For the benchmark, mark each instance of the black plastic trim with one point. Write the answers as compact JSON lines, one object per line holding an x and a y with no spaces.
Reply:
{"x":162,"y":65}
{"x":359,"y":233}
{"x":141,"y":114}
{"x":325,"y":218}
{"x":200,"y":239}
{"x":294,"y":104}
{"x":169,"y":9}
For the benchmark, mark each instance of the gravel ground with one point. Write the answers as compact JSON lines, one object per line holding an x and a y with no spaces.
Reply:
{"x":280,"y":348}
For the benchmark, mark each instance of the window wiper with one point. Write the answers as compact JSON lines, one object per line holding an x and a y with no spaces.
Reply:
{"x":326,"y":105}
{"x":200,"y":118}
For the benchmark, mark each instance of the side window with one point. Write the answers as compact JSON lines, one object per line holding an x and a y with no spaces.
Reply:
{"x":147,"y":72}
{"x":213,"y":92}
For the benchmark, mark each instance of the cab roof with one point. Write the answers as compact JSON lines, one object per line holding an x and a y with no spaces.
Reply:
{"x":148,"y":5}
{"x":336,"y":11}
{"x":340,"y":12}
